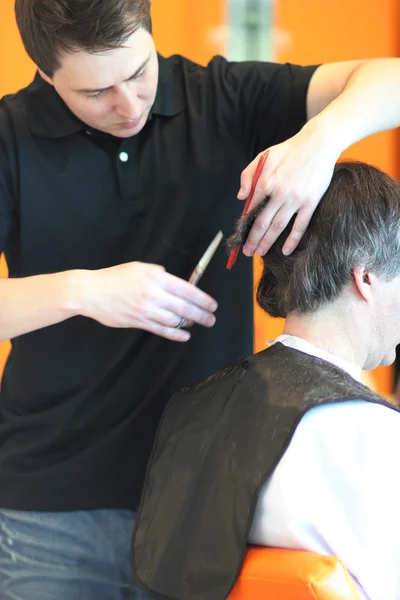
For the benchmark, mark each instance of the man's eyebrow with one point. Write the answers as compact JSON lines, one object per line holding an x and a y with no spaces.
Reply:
{"x":96,"y":90}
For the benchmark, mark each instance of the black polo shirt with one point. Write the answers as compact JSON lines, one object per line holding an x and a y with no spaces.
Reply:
{"x":80,"y":402}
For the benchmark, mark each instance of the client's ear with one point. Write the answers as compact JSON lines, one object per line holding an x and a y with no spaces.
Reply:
{"x":365,"y":282}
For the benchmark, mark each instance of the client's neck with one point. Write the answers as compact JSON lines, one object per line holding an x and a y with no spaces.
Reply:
{"x":323,"y":329}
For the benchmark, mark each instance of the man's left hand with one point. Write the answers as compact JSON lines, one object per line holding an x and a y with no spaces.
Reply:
{"x":296,"y":175}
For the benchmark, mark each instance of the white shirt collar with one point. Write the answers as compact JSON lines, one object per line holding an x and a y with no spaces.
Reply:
{"x":299,"y":344}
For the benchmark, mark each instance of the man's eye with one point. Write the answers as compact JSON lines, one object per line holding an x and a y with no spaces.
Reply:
{"x":139,"y":75}
{"x":95,"y":95}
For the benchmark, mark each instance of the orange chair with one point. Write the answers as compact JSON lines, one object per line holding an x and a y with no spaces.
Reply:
{"x":280,"y":574}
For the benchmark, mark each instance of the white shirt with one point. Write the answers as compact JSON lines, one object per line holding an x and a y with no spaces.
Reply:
{"x":336,"y":490}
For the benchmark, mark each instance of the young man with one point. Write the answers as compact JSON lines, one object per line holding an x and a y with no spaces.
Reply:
{"x":287,"y":448}
{"x":117,"y":169}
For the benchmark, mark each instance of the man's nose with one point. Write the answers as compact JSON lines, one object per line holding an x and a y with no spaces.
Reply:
{"x":127,"y":104}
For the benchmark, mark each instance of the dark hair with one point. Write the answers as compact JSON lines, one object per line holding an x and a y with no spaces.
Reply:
{"x":51,"y":27}
{"x":356,"y":223}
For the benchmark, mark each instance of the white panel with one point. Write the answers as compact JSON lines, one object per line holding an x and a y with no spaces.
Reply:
{"x":250,"y":29}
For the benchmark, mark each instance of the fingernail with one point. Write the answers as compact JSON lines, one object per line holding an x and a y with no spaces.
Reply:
{"x":286,"y":251}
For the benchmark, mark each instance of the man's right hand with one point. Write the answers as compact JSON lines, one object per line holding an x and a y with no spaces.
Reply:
{"x":144,"y":296}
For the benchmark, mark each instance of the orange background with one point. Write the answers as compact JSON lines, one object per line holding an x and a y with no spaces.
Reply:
{"x":306,"y":32}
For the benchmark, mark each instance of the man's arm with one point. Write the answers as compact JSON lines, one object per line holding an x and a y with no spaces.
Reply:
{"x":362,"y":97}
{"x":132,"y":295}
{"x":345,"y":103}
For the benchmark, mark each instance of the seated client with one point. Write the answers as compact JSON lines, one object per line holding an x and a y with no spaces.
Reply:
{"x":288,"y":448}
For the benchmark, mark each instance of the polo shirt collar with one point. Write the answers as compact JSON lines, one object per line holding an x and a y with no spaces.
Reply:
{"x":50,"y":117}
{"x":170,"y":99}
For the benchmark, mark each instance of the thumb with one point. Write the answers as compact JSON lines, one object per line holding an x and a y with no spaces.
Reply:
{"x":245,"y":183}
{"x":252,"y":171}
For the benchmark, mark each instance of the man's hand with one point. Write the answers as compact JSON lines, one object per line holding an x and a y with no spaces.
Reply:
{"x":296,"y":175}
{"x":145,"y":296}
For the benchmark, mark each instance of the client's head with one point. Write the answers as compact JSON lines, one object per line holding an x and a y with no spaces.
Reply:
{"x":341,"y":286}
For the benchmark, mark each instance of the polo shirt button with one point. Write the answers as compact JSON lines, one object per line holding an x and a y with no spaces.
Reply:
{"x":123,"y":157}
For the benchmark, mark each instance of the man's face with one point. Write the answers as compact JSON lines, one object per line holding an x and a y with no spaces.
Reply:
{"x":113,"y":91}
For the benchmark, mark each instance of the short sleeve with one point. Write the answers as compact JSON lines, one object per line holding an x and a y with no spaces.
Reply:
{"x":268,"y":101}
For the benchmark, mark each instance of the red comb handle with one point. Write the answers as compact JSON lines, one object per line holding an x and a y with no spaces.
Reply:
{"x":260,"y":165}
{"x":233,"y":254}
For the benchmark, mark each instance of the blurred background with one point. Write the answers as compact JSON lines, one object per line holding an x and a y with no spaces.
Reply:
{"x":298,"y":31}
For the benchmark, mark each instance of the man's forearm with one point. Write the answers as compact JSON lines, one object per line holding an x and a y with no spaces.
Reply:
{"x":368,"y":103}
{"x":350,"y":101}
{"x":31,"y":303}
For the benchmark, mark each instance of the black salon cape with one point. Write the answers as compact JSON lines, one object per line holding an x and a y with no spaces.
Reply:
{"x":217,"y":443}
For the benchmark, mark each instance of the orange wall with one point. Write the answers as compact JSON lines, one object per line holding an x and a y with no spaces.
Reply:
{"x":16,"y":70}
{"x":188,"y":28}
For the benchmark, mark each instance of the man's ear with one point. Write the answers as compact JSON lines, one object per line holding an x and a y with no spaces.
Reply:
{"x":364,"y":282}
{"x":45,"y":77}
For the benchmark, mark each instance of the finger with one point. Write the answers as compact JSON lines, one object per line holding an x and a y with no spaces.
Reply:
{"x":170,"y":333}
{"x":277,"y":225}
{"x":261,"y":181}
{"x":181,"y":311}
{"x":187,"y":324}
{"x":187,"y":291}
{"x":246,"y":178}
{"x":174,"y":309}
{"x":260,"y":227}
{"x":299,"y":227}
{"x":165,"y":324}
{"x":165,"y":318}
{"x":264,"y":187}
{"x":245,"y":181}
